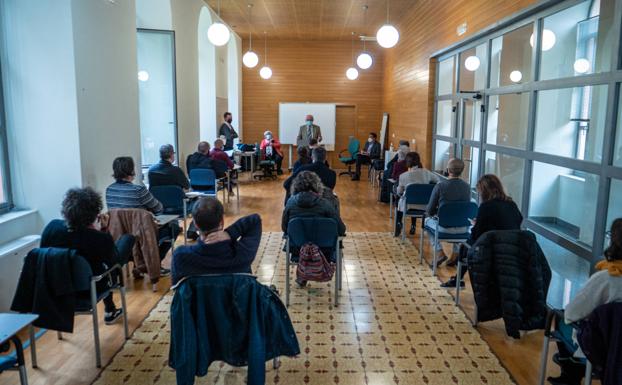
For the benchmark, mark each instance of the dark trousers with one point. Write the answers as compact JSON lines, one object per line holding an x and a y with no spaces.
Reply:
{"x":398,"y":222}
{"x":166,"y":236}
{"x":124,"y":252}
{"x":361,"y":160}
{"x":278,"y":159}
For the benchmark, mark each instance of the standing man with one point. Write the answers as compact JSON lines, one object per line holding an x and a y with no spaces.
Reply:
{"x":226,"y":130}
{"x":308,"y":131}
{"x":370,"y":152}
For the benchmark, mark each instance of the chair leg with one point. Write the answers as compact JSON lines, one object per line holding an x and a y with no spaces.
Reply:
{"x":276,"y":363}
{"x":337,"y":275}
{"x":403,"y":226}
{"x":588,"y":372}
{"x":435,"y":251}
{"x":391,"y":205}
{"x":33,"y":346}
{"x":124,"y":308}
{"x":287,"y":272}
{"x":98,"y":359}
{"x":458,"y":281}
{"x":341,"y":270}
{"x":23,"y":375}
{"x":421,"y":241}
{"x":59,"y":335}
{"x":237,"y":193}
{"x":185,"y":225}
{"x":545,"y":346}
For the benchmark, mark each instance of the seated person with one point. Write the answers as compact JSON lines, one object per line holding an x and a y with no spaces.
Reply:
{"x":307,"y":201}
{"x":271,"y":148}
{"x":452,"y":189}
{"x":370,"y":152}
{"x":304,"y":157}
{"x":604,"y":286}
{"x":497,"y":211}
{"x":84,"y":229}
{"x":415,"y":174}
{"x":319,"y":167}
{"x":164,"y":173}
{"x":123,"y":194}
{"x":219,"y":250}
{"x":201,"y":159}
{"x":400,"y":167}
{"x":219,"y":154}
{"x":386,"y":187}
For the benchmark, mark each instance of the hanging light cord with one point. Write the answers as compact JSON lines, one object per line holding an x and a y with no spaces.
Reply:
{"x":218,"y":8}
{"x":250,"y":24}
{"x":387,"y":11}
{"x":364,"y":23}
{"x":265,"y":47}
{"x":352,"y":48}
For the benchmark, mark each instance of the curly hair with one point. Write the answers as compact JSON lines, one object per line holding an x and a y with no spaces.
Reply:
{"x":80,"y":207}
{"x":307,"y":181}
{"x":614,"y":251}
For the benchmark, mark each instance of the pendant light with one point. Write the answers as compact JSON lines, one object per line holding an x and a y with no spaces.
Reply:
{"x":265,"y":72}
{"x":250,"y":58}
{"x":364,"y":60}
{"x":218,"y":33}
{"x":352,"y":73}
{"x":387,"y":35}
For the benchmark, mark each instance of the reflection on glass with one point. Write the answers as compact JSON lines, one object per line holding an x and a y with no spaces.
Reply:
{"x":582,"y":37}
{"x":156,"y":92}
{"x":617,"y":151}
{"x":446,"y":76}
{"x":511,"y":172}
{"x":507,"y":120}
{"x":510,"y":57}
{"x":472,"y":119}
{"x":615,"y":203}
{"x":564,"y":202}
{"x":571,"y":122}
{"x":3,"y":186}
{"x":445,"y":118}
{"x":444,"y":151}
{"x":473,"y":68}
{"x":470,"y":156}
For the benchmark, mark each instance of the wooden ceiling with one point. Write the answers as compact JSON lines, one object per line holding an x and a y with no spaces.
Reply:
{"x":308,"y":19}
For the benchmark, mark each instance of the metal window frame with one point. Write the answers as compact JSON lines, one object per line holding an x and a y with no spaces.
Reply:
{"x":174,"y":69}
{"x":605,"y":170}
{"x":4,"y":162}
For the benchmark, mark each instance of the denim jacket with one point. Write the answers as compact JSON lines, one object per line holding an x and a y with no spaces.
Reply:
{"x":231,"y":318}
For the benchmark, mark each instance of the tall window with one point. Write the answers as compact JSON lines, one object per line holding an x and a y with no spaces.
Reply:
{"x":5,"y":193}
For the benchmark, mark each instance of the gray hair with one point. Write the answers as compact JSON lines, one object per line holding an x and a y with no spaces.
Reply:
{"x":307,"y":181}
{"x":401,"y":152}
{"x":166,"y":151}
{"x":319,"y":154}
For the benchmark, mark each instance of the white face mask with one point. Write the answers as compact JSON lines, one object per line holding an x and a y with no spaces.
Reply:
{"x":268,"y":137}
{"x":370,"y":140}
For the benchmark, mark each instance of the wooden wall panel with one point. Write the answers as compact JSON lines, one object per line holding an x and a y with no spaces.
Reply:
{"x":311,"y":71}
{"x":427,"y":27}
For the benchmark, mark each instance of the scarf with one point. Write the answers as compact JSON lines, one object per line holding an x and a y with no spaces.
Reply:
{"x":614,"y":267}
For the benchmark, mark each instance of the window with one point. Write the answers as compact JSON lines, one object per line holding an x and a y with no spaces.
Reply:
{"x":570,"y":122}
{"x":470,"y":156}
{"x":577,"y":41}
{"x":447,"y":76}
{"x":445,"y":118}
{"x":617,"y":151}
{"x":444,"y":152}
{"x":156,"y":92}
{"x":563,"y":202}
{"x":473,"y":68}
{"x":615,"y":203}
{"x":511,"y":172}
{"x":511,"y":58}
{"x":5,"y":193}
{"x":507,"y":120}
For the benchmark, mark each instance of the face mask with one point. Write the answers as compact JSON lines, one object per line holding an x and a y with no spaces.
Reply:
{"x":229,"y":120}
{"x":370,"y":140}
{"x":268,"y":137}
{"x":309,"y":122}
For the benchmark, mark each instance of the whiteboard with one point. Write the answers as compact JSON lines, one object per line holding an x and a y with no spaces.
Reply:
{"x":292,"y":116}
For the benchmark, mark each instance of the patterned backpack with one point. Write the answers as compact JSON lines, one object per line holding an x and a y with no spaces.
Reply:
{"x":313,"y":265}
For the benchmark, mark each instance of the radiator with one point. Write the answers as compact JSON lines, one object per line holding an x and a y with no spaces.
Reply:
{"x":11,"y":260}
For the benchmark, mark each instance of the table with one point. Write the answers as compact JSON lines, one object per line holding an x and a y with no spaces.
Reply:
{"x":247,"y":154}
{"x":236,"y":167}
{"x":10,"y":325}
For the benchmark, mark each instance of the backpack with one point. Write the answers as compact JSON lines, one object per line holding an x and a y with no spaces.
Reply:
{"x":313,"y":265}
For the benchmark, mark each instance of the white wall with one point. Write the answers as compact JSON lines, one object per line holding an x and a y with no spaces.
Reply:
{"x":41,"y":106}
{"x":153,"y":14}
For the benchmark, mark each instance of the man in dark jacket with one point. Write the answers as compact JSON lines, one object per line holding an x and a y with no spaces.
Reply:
{"x":164,"y":173}
{"x":226,"y":130}
{"x":201,"y":159}
{"x":370,"y":152}
{"x":319,"y":167}
{"x":218,"y":251}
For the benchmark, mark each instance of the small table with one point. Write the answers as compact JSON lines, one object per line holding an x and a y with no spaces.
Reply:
{"x":10,"y":325}
{"x":247,"y":154}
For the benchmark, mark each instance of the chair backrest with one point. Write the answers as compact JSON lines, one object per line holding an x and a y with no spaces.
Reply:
{"x":203,"y":179}
{"x":418,"y":193}
{"x":456,"y":214}
{"x":171,"y":197}
{"x":320,"y":231}
{"x":354,"y":146}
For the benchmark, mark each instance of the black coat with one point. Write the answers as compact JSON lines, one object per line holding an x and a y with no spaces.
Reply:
{"x":198,"y":160}
{"x":510,"y":278}
{"x":308,"y":205}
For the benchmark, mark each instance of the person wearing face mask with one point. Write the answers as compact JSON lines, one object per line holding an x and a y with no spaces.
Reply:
{"x":271,"y":148}
{"x":226,"y":130}
{"x":370,"y":152}
{"x":308,"y":131}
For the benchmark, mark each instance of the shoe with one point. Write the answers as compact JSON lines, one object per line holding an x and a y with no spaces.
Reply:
{"x":192,"y":235}
{"x":231,"y":193}
{"x":442,"y":258}
{"x":137,"y":274}
{"x":564,"y":379}
{"x":356,"y":177}
{"x":113,"y":316}
{"x":398,"y":230}
{"x":164,"y":272}
{"x":279,"y":172}
{"x":301,"y":283}
{"x":412,"y":230}
{"x":452,"y":283}
{"x":452,"y":262}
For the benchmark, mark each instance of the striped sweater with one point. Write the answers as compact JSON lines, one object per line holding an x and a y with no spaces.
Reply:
{"x":126,"y":195}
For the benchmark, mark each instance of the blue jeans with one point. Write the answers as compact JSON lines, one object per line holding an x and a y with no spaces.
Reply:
{"x":432,"y":223}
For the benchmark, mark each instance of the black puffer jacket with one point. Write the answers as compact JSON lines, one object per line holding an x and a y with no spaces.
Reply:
{"x":308,"y":204}
{"x":510,"y":278}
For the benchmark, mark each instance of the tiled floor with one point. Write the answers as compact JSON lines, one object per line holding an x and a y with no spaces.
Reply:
{"x":394,"y":325}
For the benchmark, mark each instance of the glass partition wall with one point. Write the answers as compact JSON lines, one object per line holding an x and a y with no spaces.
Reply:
{"x":536,"y":101}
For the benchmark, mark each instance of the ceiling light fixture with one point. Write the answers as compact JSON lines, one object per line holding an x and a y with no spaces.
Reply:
{"x":387,"y":35}
{"x":352,"y":73}
{"x":218,"y":33}
{"x":265,"y":72}
{"x":250,"y":58}
{"x":364,"y":60}
{"x":581,"y":66}
{"x":548,"y":39}
{"x":472,"y":63}
{"x":516,"y":76}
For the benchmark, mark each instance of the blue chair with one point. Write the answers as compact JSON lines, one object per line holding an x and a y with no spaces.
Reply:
{"x":173,"y":199}
{"x":322,"y":232}
{"x":416,"y":194}
{"x":350,"y":158}
{"x":204,"y":181}
{"x":452,"y":214}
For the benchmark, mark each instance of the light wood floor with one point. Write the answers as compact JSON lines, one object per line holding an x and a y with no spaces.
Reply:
{"x":71,"y":361}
